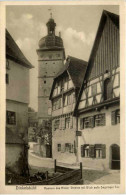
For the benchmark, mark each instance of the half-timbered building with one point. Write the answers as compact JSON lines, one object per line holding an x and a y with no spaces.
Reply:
{"x":63,"y":96}
{"x":98,"y":108}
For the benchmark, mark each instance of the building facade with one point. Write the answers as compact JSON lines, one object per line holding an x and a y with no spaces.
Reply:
{"x":17,"y":100}
{"x":63,"y":96}
{"x":98,"y":106}
{"x":51,"y":58}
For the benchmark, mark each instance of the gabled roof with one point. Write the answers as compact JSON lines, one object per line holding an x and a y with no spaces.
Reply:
{"x":13,"y":52}
{"x":115,"y":19}
{"x":76,"y":68}
{"x":105,"y":15}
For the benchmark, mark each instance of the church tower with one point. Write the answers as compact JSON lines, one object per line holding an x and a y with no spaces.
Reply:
{"x":51,"y":56}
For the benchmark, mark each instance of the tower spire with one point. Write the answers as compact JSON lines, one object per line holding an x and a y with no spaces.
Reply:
{"x":50,"y":12}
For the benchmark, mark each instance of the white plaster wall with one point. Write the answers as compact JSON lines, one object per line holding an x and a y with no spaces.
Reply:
{"x":21,"y":110}
{"x":18,"y":87}
{"x":12,"y":156}
{"x":108,"y":135}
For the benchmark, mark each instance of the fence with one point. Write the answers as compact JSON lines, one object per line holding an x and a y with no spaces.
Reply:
{"x":68,"y":176}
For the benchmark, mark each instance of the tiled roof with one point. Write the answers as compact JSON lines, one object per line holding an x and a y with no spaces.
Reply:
{"x":13,"y":52}
{"x":76,"y":68}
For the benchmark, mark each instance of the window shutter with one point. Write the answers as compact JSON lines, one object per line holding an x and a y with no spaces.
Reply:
{"x":60,"y":125}
{"x":71,"y":122}
{"x":91,"y":151}
{"x":103,"y":151}
{"x":81,"y":123}
{"x":92,"y":122}
{"x":82,"y":150}
{"x":63,"y":148}
{"x":63,"y":123}
{"x":113,"y":117}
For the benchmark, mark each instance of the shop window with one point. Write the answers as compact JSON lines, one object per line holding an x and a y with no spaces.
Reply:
{"x":100,"y":120}
{"x":7,"y":78}
{"x":115,"y":117}
{"x":59,"y":147}
{"x":11,"y":118}
{"x":107,"y":89}
{"x":94,"y":89}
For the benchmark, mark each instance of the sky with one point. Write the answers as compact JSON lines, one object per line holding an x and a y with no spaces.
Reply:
{"x":78,"y":25}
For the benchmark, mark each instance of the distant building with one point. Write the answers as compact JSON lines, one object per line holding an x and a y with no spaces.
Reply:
{"x":98,"y":105}
{"x":33,"y":125}
{"x":17,"y":100}
{"x":51,"y":56}
{"x":63,"y":96}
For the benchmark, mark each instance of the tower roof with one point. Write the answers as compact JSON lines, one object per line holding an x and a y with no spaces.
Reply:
{"x":51,"y":41}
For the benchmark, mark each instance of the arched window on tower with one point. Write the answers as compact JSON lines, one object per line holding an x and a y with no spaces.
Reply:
{"x":107,"y":89}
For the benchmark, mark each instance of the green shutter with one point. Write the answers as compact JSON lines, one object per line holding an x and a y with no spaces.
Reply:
{"x":82,"y":150}
{"x":91,"y":151}
{"x":113,"y":117}
{"x":103,"y":151}
{"x":81,"y":123}
{"x":91,"y":119}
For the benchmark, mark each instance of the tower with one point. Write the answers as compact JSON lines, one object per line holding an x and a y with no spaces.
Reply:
{"x":51,"y":56}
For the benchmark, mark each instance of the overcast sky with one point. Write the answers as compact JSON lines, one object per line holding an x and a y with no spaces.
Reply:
{"x":78,"y":26}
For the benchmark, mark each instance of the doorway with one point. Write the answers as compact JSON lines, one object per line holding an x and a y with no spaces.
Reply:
{"x":115,"y":157}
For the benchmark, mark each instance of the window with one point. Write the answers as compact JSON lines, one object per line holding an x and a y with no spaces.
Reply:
{"x":100,"y":120}
{"x":93,"y":151}
{"x":69,"y":148}
{"x":94,"y":89}
{"x":7,"y":78}
{"x":67,"y":123}
{"x":86,"y":151}
{"x":115,"y":117}
{"x":11,"y":118}
{"x":92,"y":121}
{"x":57,"y":104}
{"x":59,"y":147}
{"x":65,"y":100}
{"x":107,"y":89}
{"x":56,"y":124}
{"x":44,"y":81}
{"x":69,"y":99}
